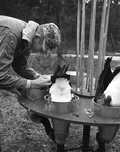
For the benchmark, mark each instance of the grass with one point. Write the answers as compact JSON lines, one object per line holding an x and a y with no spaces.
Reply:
{"x":19,"y":134}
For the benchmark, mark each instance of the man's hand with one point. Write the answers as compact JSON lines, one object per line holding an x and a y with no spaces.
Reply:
{"x":40,"y":82}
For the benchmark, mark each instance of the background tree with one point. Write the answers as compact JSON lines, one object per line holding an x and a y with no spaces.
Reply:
{"x":64,"y":14}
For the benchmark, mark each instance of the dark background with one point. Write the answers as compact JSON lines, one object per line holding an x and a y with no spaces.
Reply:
{"x":64,"y":14}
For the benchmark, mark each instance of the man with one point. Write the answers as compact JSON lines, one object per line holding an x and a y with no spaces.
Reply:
{"x":17,"y":39}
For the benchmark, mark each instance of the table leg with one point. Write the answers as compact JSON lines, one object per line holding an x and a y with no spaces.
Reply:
{"x":86,"y":136}
{"x":0,"y":145}
{"x":60,"y":148}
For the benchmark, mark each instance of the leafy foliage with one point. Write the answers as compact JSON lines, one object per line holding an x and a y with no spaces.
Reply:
{"x":64,"y":14}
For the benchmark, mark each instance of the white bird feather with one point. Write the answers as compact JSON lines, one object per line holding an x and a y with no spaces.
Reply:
{"x":113,"y":90}
{"x":60,"y":91}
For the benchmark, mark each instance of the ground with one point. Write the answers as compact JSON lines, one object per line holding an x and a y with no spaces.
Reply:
{"x":20,"y":134}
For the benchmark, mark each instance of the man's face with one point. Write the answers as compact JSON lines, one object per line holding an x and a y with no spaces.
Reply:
{"x":38,"y":45}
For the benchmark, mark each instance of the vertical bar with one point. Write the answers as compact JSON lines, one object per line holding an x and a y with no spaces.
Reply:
{"x":86,"y":137}
{"x":102,"y":35}
{"x":92,"y":45}
{"x":78,"y":45}
{"x":60,"y":148}
{"x":106,"y":26}
{"x":89,"y":51}
{"x":82,"y":48}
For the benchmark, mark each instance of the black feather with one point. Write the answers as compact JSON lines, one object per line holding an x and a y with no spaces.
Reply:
{"x":56,"y":73}
{"x":104,"y":79}
{"x":63,"y":70}
{"x":60,"y":72}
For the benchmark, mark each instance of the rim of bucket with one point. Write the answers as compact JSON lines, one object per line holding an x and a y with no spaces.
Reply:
{"x":104,"y":106}
{"x":74,"y":99}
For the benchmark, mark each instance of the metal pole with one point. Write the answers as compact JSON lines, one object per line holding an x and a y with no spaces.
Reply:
{"x":82,"y":48}
{"x":106,"y":27}
{"x":78,"y":45}
{"x":92,"y":45}
{"x":101,"y":43}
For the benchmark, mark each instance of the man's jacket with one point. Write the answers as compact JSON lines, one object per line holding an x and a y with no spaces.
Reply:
{"x":14,"y":54}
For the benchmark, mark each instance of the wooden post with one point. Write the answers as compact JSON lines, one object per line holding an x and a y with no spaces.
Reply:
{"x":101,"y":43}
{"x":106,"y":27}
{"x":78,"y":45}
{"x":81,"y":45}
{"x":82,"y":48}
{"x":91,"y":49}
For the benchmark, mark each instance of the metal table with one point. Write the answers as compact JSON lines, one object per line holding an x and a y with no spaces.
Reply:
{"x":79,"y":116}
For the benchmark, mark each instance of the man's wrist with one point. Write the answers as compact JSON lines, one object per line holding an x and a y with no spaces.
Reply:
{"x":28,"y":84}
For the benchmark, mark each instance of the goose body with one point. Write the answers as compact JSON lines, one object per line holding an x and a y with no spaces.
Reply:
{"x":113,"y":90}
{"x":108,"y":88}
{"x":60,"y":89}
